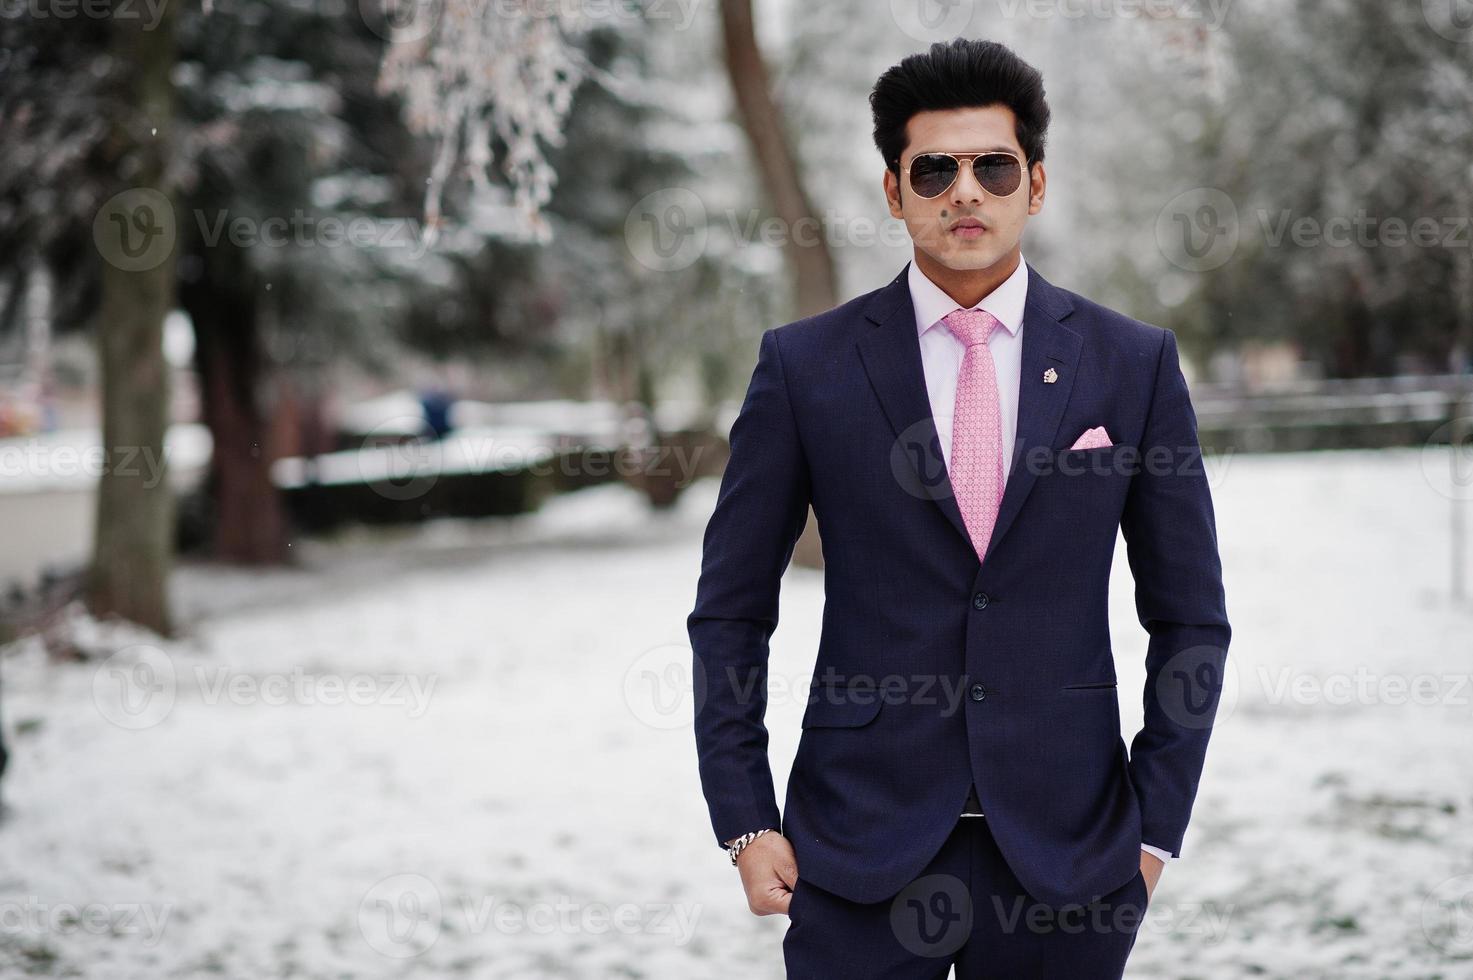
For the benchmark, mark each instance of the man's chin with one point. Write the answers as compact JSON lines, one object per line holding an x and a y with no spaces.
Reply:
{"x":966,"y":259}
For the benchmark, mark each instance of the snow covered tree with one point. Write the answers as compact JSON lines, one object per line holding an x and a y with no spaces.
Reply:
{"x":815,"y":286}
{"x":476,"y":81}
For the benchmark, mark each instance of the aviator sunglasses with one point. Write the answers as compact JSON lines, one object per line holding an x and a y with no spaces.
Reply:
{"x":932,"y":174}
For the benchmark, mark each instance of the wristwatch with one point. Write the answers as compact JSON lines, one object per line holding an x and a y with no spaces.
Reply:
{"x":737,"y":846}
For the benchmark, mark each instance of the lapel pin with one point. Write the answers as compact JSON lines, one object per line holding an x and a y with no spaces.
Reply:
{"x":1050,"y":376}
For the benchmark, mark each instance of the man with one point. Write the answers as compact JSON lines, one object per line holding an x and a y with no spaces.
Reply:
{"x":970,"y":437}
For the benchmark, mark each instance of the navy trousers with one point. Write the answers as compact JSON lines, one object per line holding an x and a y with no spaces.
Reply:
{"x":965,"y":909}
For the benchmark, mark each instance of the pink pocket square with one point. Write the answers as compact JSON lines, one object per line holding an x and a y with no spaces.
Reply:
{"x":1093,"y":439}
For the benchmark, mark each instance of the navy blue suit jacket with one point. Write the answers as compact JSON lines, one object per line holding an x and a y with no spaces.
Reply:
{"x":936,"y":670}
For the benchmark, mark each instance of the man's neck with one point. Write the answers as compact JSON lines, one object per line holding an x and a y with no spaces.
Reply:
{"x":967,"y":287}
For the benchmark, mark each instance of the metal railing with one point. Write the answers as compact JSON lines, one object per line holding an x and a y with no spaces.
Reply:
{"x":1353,"y":413}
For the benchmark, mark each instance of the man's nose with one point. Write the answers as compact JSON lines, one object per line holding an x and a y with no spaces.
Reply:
{"x":966,"y":188}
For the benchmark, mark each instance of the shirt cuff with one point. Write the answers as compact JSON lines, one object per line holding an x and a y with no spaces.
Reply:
{"x":1160,"y":852}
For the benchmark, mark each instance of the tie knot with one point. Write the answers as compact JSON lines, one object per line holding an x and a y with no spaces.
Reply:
{"x":971,"y":327}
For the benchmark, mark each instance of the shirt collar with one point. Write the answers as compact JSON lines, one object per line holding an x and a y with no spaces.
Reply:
{"x":1005,"y":302}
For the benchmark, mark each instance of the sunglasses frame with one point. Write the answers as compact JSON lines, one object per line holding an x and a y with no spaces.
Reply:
{"x":964,"y":159}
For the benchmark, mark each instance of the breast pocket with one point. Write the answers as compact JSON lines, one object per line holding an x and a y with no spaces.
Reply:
{"x":1089,"y":483}
{"x":1120,"y":460}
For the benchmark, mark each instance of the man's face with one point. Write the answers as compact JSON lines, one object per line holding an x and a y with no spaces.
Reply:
{"x":932,"y":221}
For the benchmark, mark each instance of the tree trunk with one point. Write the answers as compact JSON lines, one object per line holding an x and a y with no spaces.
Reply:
{"x":815,"y":287}
{"x":133,"y":544}
{"x":806,"y":248}
{"x":248,"y":516}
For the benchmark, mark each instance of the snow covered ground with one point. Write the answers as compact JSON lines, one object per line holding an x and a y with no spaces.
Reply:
{"x":464,"y":751}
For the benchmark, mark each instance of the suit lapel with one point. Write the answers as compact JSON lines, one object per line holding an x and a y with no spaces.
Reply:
{"x":1047,"y":343}
{"x":891,"y":354}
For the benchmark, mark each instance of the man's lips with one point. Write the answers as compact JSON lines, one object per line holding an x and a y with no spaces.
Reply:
{"x":968,"y":228}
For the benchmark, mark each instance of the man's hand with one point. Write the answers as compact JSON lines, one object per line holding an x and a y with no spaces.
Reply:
{"x":769,"y":870}
{"x":1151,"y":868}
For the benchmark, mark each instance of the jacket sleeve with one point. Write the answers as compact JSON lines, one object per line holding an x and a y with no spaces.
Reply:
{"x":1171,"y":541}
{"x":760,"y":511}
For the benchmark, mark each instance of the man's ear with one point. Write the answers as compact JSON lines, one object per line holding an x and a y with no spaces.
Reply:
{"x":892,"y":193}
{"x":1036,"y":183}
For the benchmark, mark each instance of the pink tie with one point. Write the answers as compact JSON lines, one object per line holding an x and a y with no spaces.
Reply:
{"x":976,"y":435}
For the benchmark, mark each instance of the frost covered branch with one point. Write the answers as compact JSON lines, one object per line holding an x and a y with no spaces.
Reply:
{"x":477,"y":74}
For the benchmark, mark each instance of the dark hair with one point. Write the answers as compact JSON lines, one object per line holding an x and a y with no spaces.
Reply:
{"x":959,"y":74}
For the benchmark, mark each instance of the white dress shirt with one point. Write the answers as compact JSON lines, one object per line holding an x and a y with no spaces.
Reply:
{"x":941,"y":360}
{"x":941,"y":352}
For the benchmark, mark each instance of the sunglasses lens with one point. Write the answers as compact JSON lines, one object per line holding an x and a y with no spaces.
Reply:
{"x":998,"y":173}
{"x":931,"y":174}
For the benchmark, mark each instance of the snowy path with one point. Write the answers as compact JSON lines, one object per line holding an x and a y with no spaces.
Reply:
{"x":510,"y":792}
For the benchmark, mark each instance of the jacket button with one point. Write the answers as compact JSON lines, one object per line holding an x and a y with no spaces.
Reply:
{"x":978,"y":692}
{"x":979,"y":601}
